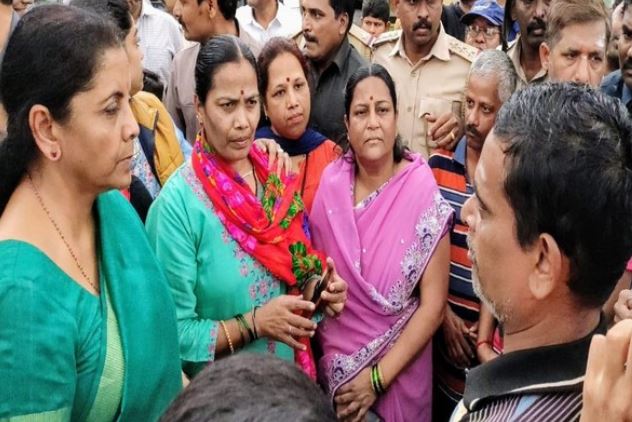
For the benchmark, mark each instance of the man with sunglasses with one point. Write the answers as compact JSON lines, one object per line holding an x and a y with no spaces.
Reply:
{"x":482,"y":25}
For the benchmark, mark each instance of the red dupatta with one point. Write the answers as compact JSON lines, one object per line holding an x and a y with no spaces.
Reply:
{"x":272,"y":230}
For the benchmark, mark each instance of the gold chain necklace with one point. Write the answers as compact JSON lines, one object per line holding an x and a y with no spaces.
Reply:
{"x":61,"y":235}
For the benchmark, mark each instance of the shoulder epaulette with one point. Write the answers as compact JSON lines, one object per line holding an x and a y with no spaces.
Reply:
{"x":360,"y":34}
{"x":386,"y":37}
{"x":463,"y":50}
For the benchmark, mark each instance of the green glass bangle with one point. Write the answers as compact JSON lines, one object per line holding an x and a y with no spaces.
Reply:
{"x":376,"y":379}
{"x":254,"y":324}
{"x":242,"y":321}
{"x":373,"y":385}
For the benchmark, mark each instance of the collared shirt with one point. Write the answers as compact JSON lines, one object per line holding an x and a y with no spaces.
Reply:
{"x":160,"y":39}
{"x":287,"y":22}
{"x":543,"y":383}
{"x":433,"y":85}
{"x":328,"y":107}
{"x":181,"y":87}
{"x":449,"y":170}
{"x":514,"y":54}
{"x":614,"y":85}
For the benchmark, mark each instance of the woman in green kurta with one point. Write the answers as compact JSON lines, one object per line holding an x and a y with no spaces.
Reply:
{"x":231,"y":234}
{"x":87,"y":323}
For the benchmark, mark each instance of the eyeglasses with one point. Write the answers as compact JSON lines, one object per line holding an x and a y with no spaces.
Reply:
{"x":489,"y":32}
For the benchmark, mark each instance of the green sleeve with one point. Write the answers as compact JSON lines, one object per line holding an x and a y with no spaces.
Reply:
{"x":37,"y":354}
{"x":175,"y":244}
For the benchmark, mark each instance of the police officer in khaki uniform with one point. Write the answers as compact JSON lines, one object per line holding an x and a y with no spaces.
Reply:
{"x":361,"y":40}
{"x":429,"y":68}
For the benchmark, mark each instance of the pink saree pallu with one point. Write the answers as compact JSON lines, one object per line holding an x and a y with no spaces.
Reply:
{"x":381,"y":247}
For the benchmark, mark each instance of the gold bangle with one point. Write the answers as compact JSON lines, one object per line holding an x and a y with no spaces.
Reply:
{"x":230,"y":343}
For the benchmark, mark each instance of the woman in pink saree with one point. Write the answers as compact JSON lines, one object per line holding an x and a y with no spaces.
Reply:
{"x":379,"y":214}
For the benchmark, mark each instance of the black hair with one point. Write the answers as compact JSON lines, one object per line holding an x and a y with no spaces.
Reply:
{"x":344,"y":6}
{"x":274,"y":48}
{"x":31,"y":75}
{"x":152,"y":83}
{"x":568,"y":162}
{"x":507,"y":24}
{"x":378,"y":9}
{"x":378,"y":71}
{"x":251,"y":387}
{"x":626,"y":3}
{"x":6,"y":2}
{"x":215,"y":53}
{"x":227,"y":7}
{"x":117,"y":10}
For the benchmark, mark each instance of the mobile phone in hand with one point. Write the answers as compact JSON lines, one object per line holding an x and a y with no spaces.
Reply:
{"x":321,"y":286}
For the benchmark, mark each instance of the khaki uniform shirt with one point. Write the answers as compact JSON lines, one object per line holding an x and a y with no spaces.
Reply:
{"x":181,"y":86}
{"x":514,"y":54}
{"x":361,"y":40}
{"x":364,"y":43}
{"x":435,"y":84}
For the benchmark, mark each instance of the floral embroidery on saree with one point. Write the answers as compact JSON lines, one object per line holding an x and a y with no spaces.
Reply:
{"x":339,"y":368}
{"x":427,"y":230}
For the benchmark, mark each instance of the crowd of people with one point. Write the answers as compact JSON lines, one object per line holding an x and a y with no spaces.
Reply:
{"x":421,"y":212}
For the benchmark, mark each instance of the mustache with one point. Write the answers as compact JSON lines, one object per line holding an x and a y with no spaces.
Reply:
{"x":627,"y":65}
{"x":422,"y":24}
{"x":536,"y":23}
{"x":471,"y":130}
{"x":309,"y":37}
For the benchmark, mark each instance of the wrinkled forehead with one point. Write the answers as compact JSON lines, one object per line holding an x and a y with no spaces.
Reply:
{"x":585,"y":37}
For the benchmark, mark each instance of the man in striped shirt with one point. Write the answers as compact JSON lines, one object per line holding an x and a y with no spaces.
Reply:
{"x":466,"y":335}
{"x":550,"y":232}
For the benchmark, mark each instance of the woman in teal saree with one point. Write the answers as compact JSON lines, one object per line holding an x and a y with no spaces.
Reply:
{"x":87,"y":323}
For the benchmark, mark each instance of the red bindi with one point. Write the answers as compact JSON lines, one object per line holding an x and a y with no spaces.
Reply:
{"x":287,"y":79}
{"x":242,"y":92}
{"x":371,"y":98}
